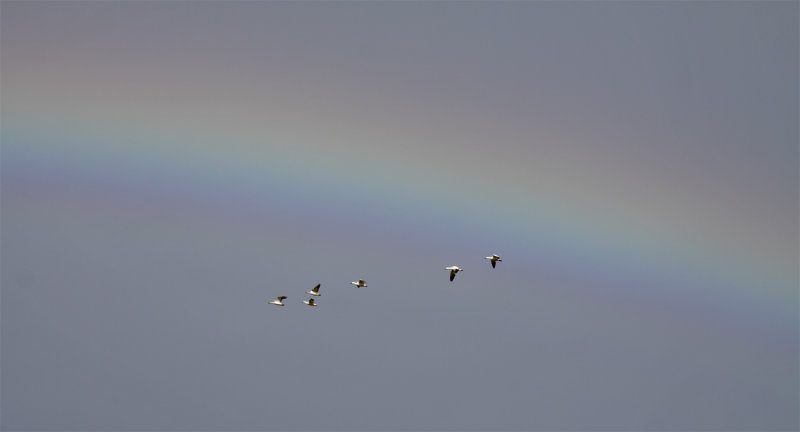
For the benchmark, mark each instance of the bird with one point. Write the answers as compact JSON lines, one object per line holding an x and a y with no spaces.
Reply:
{"x":453,"y":271}
{"x":279,"y":301}
{"x":310,"y":302}
{"x":494,"y":258}
{"x":314,"y":291}
{"x":360,"y":283}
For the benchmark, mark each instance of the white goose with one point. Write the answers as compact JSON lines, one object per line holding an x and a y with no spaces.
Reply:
{"x":360,"y":283}
{"x":279,"y":301}
{"x":310,"y":302}
{"x":314,"y":291}
{"x":453,"y":271}
{"x":494,"y":259}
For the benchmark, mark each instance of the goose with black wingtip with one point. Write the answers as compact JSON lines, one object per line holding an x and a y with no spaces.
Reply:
{"x":279,"y":301}
{"x":453,"y":271}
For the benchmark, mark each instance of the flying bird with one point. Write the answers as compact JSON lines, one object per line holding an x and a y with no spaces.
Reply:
{"x":360,"y":283}
{"x":314,"y":291}
{"x":494,"y":258}
{"x":453,"y":271}
{"x":310,"y":302}
{"x":279,"y":301}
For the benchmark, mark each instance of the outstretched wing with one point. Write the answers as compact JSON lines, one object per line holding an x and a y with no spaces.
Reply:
{"x":311,"y":302}
{"x":494,"y":263}
{"x":316,"y":288}
{"x":452,"y":275}
{"x":280,"y":298}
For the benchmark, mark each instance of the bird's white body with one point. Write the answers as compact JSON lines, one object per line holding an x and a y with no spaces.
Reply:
{"x":279,"y":301}
{"x":310,"y":302}
{"x":453,"y":271}
{"x":314,"y":291}
{"x":360,"y":283}
{"x":494,"y":259}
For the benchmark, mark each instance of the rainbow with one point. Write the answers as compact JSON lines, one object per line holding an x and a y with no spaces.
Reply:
{"x":363,"y":158}
{"x":193,"y":172}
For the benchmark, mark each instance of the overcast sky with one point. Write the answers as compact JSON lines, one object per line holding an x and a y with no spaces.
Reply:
{"x":170,"y":167}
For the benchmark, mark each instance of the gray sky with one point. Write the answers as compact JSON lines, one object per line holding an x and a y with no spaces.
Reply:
{"x":169,"y":167}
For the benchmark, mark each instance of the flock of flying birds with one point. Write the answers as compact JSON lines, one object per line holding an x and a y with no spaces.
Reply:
{"x":361,"y":283}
